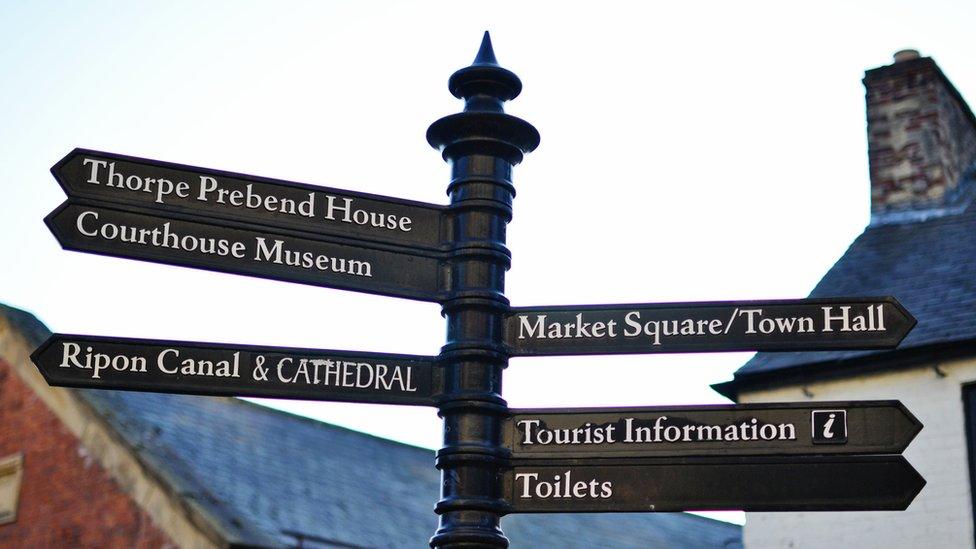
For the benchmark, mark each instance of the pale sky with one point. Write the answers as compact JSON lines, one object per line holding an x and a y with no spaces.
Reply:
{"x":690,"y":152}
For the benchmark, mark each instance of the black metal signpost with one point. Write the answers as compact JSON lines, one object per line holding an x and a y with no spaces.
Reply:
{"x":495,"y":461}
{"x":782,"y":325}
{"x":236,"y":248}
{"x":216,"y":194}
{"x":237,"y":370}
{"x":790,"y":428}
{"x":755,"y":457}
{"x":797,"y":483}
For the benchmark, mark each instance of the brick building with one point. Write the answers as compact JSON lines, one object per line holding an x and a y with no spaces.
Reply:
{"x":921,"y":248}
{"x":113,"y":469}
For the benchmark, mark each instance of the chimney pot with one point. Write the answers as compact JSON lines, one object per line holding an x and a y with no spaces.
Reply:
{"x":906,"y":55}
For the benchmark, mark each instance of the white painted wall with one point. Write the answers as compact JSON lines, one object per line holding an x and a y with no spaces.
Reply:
{"x":940,"y":517}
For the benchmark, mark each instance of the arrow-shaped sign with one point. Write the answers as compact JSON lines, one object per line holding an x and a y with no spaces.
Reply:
{"x":796,"y":483}
{"x":858,"y":427}
{"x":237,"y":370}
{"x":782,"y":325}
{"x":241,"y":249}
{"x":175,"y":188}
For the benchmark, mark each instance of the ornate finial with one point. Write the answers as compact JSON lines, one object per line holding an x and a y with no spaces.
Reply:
{"x":486,"y":55}
{"x":483,"y":128}
{"x":485,"y":77}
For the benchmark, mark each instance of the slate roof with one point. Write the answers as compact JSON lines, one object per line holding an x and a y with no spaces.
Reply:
{"x":928,"y":265}
{"x":257,"y":473}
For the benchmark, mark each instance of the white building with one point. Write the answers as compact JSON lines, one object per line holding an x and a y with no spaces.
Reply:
{"x":920,"y":247}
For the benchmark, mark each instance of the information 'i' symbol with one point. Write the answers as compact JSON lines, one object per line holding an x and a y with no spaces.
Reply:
{"x":827,"y":433}
{"x":829,"y":426}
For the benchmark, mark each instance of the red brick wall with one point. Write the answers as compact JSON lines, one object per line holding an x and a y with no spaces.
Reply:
{"x":66,"y":499}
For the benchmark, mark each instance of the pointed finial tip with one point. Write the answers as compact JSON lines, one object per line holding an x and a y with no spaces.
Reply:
{"x":485,"y":76}
{"x":486,"y":55}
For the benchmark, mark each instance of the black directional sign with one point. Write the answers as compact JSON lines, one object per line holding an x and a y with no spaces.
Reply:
{"x":241,"y":249}
{"x":236,"y":370}
{"x":795,"y":483}
{"x":169,"y":187}
{"x":858,"y":427}
{"x":784,"y":325}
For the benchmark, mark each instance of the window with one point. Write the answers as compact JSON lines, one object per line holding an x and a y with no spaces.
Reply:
{"x":969,"y":406}
{"x":11,"y":471}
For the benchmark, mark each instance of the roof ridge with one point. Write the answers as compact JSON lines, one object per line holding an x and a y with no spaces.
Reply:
{"x":709,"y":519}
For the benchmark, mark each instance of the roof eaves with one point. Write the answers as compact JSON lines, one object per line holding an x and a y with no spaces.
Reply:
{"x":912,"y":357}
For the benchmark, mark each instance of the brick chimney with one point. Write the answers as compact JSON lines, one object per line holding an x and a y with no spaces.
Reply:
{"x":921,"y":141}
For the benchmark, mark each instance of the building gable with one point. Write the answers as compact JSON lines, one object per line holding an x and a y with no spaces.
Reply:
{"x":79,"y":485}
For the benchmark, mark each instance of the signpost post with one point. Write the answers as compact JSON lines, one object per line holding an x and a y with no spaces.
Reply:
{"x":495,"y":461}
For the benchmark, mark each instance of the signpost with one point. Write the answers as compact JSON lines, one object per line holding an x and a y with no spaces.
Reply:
{"x":792,"y":428}
{"x":759,"y":457}
{"x":216,"y":194}
{"x":784,"y":325}
{"x":822,"y":456}
{"x":834,"y":483}
{"x":238,"y":249}
{"x":237,"y":370}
